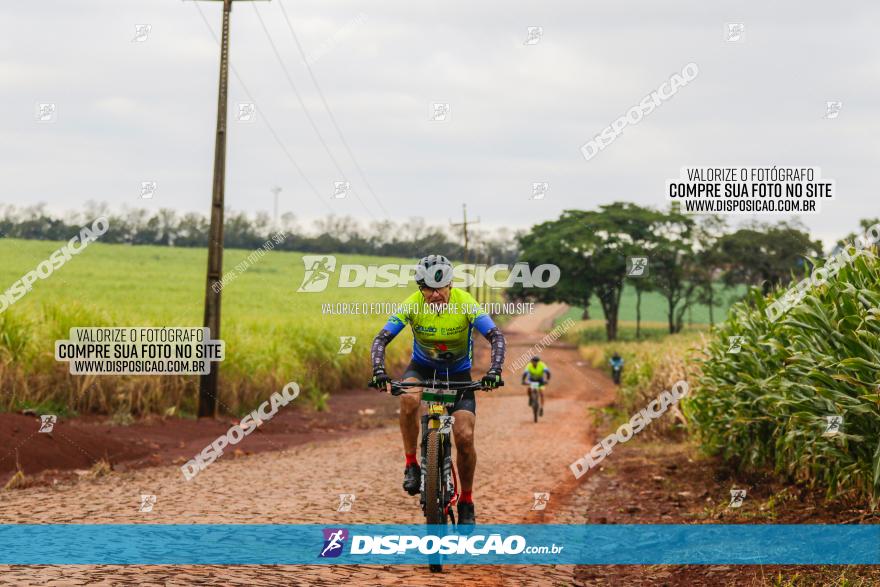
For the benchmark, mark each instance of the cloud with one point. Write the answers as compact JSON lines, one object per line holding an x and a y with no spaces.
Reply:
{"x":136,"y":111}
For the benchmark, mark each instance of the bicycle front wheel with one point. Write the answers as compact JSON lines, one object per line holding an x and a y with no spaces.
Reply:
{"x":434,"y":506}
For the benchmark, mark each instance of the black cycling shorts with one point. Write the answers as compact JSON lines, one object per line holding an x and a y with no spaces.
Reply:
{"x":465,"y":401}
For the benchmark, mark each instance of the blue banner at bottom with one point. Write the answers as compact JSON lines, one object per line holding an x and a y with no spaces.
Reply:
{"x":384,"y":544}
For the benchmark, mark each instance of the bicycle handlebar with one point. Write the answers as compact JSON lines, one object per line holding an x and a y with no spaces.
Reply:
{"x":401,"y":387}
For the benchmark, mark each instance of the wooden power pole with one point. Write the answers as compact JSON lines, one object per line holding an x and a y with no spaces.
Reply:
{"x":464,"y":227}
{"x":208,"y":383}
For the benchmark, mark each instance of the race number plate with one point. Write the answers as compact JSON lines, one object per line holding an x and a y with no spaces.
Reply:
{"x":439,"y":396}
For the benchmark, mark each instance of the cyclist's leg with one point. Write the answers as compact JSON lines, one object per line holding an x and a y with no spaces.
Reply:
{"x":465,"y":452}
{"x":464,"y":412}
{"x":409,"y":409}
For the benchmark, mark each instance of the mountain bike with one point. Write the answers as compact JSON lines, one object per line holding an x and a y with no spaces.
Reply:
{"x":439,"y":488}
{"x":535,"y":402}
{"x":616,"y":370}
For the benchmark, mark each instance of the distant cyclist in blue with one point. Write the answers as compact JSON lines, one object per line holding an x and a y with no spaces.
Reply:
{"x":616,"y":363}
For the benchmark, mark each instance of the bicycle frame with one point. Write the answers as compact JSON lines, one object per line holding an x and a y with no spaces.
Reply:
{"x":438,"y":491}
{"x":437,"y":396}
{"x":535,"y":392}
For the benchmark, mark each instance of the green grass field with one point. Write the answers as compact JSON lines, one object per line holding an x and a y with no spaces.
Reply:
{"x":273,"y":334}
{"x":654,"y":320}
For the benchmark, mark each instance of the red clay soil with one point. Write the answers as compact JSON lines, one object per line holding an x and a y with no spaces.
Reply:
{"x":79,"y":443}
{"x":668,"y":482}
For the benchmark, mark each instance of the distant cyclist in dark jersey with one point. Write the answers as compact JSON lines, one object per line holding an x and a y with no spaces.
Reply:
{"x":442,"y":349}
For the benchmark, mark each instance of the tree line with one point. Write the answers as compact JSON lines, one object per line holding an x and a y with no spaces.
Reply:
{"x":690,"y":259}
{"x":342,"y":235}
{"x":687,"y":258}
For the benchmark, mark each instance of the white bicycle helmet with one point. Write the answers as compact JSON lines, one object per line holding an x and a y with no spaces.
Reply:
{"x":434,"y":271}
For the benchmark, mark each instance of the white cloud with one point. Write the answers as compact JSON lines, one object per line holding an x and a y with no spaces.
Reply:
{"x":519,"y":113}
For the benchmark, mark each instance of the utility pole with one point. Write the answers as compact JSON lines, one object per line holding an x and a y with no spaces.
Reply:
{"x":464,"y":226}
{"x":208,"y":383}
{"x":483,"y":288}
{"x":276,"y":190}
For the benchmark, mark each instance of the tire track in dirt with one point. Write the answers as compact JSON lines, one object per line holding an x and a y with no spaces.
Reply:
{"x":516,"y":458}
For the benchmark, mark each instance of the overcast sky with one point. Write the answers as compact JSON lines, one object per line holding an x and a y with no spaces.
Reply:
{"x":129,"y":111}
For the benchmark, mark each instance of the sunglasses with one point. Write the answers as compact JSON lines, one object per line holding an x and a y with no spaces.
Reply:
{"x":429,"y":290}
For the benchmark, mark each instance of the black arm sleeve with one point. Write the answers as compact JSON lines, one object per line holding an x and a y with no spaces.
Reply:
{"x":496,"y":339}
{"x":377,"y":350}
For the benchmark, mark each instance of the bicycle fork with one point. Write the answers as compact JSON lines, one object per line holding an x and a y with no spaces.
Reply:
{"x":437,"y":419}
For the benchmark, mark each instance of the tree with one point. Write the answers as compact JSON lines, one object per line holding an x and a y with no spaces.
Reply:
{"x":709,"y":261}
{"x":765,"y":255}
{"x":671,"y":263}
{"x":543,"y":244}
{"x":590,"y":248}
{"x":865,"y":224}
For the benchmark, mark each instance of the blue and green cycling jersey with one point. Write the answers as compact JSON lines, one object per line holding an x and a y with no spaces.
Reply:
{"x":442,"y":340}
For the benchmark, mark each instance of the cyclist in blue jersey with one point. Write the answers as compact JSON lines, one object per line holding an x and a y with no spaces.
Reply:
{"x":442,"y":319}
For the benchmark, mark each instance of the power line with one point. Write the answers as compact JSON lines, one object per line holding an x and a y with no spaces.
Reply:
{"x":329,"y":112}
{"x":265,"y":119}
{"x":305,"y":109}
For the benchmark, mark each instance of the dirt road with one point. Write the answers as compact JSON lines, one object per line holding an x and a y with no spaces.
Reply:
{"x":302,"y":485}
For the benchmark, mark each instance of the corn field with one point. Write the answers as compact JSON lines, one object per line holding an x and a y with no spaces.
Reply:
{"x":772,"y":404}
